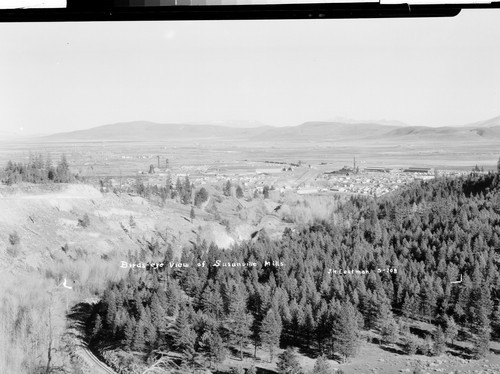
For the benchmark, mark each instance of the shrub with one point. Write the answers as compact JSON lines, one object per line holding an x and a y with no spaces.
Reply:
{"x":84,"y":221}
{"x":200,"y":197}
{"x":225,"y":222}
{"x":410,"y":344}
{"x":14,"y":238}
{"x":13,"y":250}
{"x":237,"y":370}
{"x":427,"y":346}
{"x":131,"y":222}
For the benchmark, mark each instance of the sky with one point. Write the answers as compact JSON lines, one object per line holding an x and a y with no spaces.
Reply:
{"x":57,"y":77}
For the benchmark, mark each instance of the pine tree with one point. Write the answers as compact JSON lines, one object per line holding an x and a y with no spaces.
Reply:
{"x":390,"y":331}
{"x":157,"y":311}
{"x":227,"y":188}
{"x":409,"y":306}
{"x":439,"y":341}
{"x":129,"y":333}
{"x":183,"y":336}
{"x":168,"y":186}
{"x":322,"y":324}
{"x":239,"y":192}
{"x":111,"y":309}
{"x":495,"y":320}
{"x":150,"y":331}
{"x":345,"y":331}
{"x":370,"y":310}
{"x":139,"y":340}
{"x":427,"y":301}
{"x":179,"y":189}
{"x":288,"y":363}
{"x":385,"y":322}
{"x":270,"y":332}
{"x":265,"y":192}
{"x":480,"y":309}
{"x":212,"y":303}
{"x":451,"y":331}
{"x":240,"y":322}
{"x":62,"y":170}
{"x":187,"y":191}
{"x":321,"y":366}
{"x":97,"y":326}
{"x":48,"y":162}
{"x":481,"y":342}
{"x":192,"y":214}
{"x":214,"y":347}
{"x":308,"y":323}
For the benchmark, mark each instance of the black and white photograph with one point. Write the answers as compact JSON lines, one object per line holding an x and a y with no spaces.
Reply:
{"x":250,"y":196}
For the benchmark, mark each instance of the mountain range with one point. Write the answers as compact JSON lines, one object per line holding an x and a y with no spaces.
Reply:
{"x":315,"y":131}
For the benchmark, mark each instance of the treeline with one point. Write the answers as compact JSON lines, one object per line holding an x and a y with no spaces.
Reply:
{"x":432,"y":233}
{"x":183,"y":190}
{"x":227,"y":190}
{"x":38,"y":170}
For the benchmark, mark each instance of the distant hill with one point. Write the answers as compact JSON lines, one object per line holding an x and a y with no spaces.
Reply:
{"x":444,"y":133}
{"x":324,"y":131}
{"x":315,"y":131}
{"x":431,"y":133}
{"x":241,"y":124}
{"x":487,"y":132}
{"x":492,"y":122}
{"x":378,"y":121}
{"x":487,"y":129}
{"x":148,"y":131}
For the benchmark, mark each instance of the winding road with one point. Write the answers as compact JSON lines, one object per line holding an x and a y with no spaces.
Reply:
{"x":96,"y":365}
{"x":78,"y":317}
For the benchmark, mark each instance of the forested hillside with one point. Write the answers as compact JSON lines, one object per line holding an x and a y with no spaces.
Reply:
{"x":379,"y":265}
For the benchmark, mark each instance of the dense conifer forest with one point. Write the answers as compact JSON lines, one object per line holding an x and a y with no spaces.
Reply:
{"x":375,"y":266}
